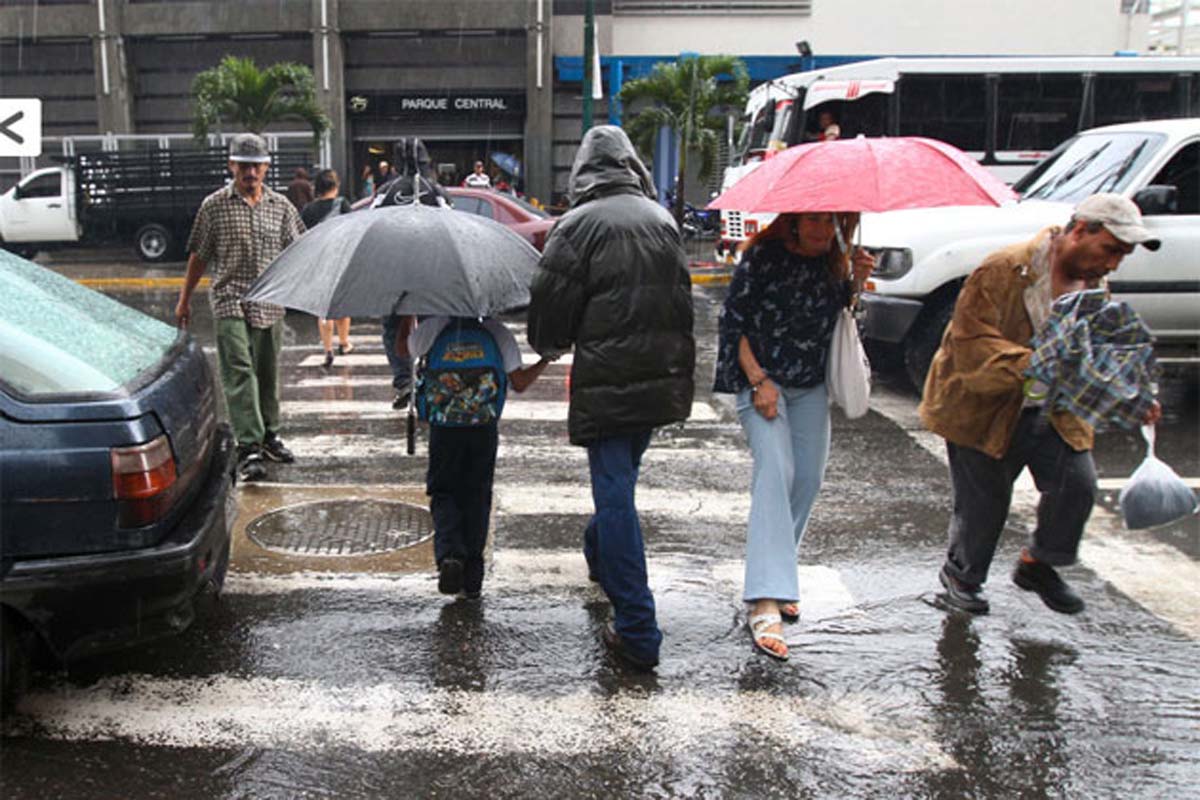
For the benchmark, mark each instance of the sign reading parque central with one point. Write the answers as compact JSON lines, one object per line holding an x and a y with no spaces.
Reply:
{"x":391,"y":104}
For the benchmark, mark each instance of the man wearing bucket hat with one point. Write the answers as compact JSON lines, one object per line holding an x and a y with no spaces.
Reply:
{"x":975,"y":398}
{"x":239,"y":230}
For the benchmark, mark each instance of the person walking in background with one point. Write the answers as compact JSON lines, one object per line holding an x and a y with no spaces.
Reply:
{"x":478,"y":179}
{"x":794,"y":279}
{"x":326,"y":206}
{"x":977,"y":398}
{"x":368,"y":181}
{"x":417,"y":179}
{"x":613,"y":283}
{"x":239,"y":230}
{"x":467,"y":366}
{"x":300,"y":190}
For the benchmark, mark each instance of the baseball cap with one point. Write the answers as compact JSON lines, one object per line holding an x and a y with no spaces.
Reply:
{"x":1119,"y":216}
{"x":250,"y":148}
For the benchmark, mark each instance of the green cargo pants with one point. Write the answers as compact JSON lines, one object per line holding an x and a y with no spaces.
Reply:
{"x":249,"y":362}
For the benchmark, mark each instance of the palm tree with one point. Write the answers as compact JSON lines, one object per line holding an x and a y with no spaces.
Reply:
{"x":683,"y":95}
{"x":236,"y":90}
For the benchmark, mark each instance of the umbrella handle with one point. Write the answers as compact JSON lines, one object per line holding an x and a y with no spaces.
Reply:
{"x":411,"y":422}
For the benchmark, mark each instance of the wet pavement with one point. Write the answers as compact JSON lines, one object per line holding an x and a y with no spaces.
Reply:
{"x":350,"y":676}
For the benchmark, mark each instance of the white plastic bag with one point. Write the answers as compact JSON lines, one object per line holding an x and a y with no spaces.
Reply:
{"x":1155,"y":495}
{"x":848,"y":372}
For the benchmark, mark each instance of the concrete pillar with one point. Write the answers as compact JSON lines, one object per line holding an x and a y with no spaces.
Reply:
{"x":539,"y":102}
{"x":329,"y":70}
{"x":114,"y":94}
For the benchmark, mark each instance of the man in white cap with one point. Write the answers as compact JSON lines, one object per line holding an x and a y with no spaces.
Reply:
{"x":239,"y":230}
{"x":975,"y":399}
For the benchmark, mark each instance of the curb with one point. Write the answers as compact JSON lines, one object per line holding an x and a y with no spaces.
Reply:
{"x":710,"y":273}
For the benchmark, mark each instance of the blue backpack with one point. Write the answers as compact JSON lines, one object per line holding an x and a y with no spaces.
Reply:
{"x":461,"y":380}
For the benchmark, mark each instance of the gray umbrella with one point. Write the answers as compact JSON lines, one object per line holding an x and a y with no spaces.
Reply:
{"x":407,"y":259}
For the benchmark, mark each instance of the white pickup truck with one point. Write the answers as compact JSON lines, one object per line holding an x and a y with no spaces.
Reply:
{"x":926,"y":254}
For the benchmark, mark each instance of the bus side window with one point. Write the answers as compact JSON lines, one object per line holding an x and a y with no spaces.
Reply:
{"x":951,"y":108}
{"x":1037,"y":111}
{"x":1128,"y":98}
{"x":1183,"y":172}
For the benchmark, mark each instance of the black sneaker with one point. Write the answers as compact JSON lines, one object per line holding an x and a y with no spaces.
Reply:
{"x":450,"y":576}
{"x":1043,"y":579}
{"x":250,"y":463}
{"x":962,"y":595}
{"x":400,"y":401}
{"x":274,"y":449}
{"x":328,"y":359}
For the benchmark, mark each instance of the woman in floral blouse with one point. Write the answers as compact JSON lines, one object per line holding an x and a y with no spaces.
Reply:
{"x":775,"y":329}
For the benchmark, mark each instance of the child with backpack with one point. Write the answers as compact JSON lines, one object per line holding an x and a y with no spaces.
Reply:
{"x":466,"y":367}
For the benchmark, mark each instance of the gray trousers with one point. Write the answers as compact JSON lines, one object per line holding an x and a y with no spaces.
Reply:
{"x":983,"y":491}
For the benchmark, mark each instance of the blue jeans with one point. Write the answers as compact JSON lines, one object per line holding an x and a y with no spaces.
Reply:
{"x":789,"y":452}
{"x":401,"y":366}
{"x":612,"y":543}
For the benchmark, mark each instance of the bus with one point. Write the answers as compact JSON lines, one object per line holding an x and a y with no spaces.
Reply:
{"x":1007,"y":112}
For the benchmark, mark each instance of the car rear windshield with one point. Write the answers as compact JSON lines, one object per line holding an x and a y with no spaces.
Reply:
{"x":57,"y":337}
{"x":1087,"y":164}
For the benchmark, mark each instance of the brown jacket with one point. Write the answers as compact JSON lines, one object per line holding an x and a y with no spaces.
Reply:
{"x":973,"y":392}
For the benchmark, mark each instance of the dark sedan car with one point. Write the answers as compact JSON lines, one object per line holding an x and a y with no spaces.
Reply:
{"x":115,"y":474}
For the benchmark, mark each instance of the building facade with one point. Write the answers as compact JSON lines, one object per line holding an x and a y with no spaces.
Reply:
{"x":476,"y":77}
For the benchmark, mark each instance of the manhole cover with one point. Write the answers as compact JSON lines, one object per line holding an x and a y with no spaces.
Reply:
{"x":342,"y":528}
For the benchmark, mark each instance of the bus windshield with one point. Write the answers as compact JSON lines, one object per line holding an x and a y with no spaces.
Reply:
{"x":760,"y":131}
{"x":1085,"y":165}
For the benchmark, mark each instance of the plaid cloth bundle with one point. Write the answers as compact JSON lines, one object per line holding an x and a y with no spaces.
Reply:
{"x":1096,"y":358}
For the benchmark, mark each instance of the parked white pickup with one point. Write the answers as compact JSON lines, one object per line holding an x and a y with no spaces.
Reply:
{"x":925,"y":254}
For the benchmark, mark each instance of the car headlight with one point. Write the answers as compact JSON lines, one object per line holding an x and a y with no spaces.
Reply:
{"x":891,"y":262}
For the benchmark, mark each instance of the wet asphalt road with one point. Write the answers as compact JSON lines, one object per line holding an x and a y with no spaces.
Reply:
{"x":352,"y":677}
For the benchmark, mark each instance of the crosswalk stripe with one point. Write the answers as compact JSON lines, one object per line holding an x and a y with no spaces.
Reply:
{"x":514,"y":409}
{"x":731,"y":507}
{"x":338,"y":382}
{"x":223,"y":711}
{"x":1117,"y":484}
{"x":823,"y":593}
{"x":379,"y":359}
{"x":336,"y":446}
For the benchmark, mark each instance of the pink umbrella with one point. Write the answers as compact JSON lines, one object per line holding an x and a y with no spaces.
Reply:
{"x":865,"y":175}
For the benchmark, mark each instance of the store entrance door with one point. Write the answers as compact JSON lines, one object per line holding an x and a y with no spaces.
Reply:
{"x":452,"y":159}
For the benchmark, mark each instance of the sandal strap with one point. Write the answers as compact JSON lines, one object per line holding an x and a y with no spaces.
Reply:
{"x":769,"y":618}
{"x":769,"y":635}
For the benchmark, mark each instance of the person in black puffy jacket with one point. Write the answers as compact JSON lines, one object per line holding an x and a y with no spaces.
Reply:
{"x":613,"y":283}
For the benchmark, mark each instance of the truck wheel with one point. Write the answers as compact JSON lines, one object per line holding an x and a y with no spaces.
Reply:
{"x":154,"y":243}
{"x":24,"y":251}
{"x":14,"y":663}
{"x":923,"y":341}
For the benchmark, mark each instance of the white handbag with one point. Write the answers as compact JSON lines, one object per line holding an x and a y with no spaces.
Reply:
{"x":848,"y":372}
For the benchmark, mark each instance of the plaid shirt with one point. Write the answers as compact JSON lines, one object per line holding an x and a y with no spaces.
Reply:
{"x":1097,"y":358}
{"x":239,"y":241}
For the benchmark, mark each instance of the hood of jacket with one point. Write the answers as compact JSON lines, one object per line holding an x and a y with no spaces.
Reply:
{"x":607,"y":162}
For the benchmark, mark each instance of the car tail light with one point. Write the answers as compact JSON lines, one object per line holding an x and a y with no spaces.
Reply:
{"x":143,"y":476}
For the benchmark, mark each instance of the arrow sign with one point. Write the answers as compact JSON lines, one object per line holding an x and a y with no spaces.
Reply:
{"x":20,"y":127}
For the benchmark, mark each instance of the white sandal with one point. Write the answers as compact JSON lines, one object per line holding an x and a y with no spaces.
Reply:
{"x":763,"y":621}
